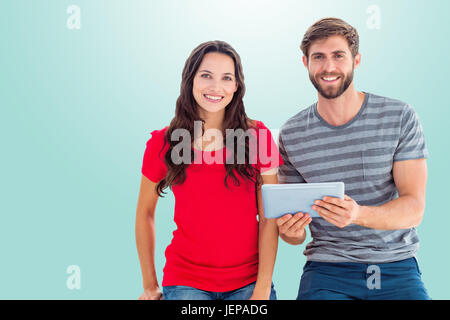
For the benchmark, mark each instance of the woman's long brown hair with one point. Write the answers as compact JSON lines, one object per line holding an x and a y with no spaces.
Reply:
{"x":186,"y":113}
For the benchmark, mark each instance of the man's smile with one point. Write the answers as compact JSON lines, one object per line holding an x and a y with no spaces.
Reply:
{"x":330,"y":79}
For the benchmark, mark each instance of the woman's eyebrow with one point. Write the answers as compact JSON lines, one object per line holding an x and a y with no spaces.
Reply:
{"x":226,"y":73}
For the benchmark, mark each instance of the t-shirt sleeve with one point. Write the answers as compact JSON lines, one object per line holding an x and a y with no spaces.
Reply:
{"x":287,"y":172}
{"x":268,"y":155}
{"x":153,"y":165}
{"x":411,"y":143}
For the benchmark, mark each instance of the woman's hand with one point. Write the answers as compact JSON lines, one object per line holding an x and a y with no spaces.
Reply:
{"x":151,"y":294}
{"x":259,"y":295}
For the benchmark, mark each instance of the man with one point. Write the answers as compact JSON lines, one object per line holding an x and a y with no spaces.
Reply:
{"x":363,"y":247}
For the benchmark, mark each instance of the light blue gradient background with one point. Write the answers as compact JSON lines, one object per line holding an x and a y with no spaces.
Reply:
{"x":77,"y":107}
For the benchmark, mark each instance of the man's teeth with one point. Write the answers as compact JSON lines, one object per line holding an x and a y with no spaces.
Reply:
{"x":213,"y":97}
{"x":329,"y":79}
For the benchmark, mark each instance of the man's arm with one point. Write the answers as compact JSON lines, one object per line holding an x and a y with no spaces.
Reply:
{"x":406,"y":211}
{"x":287,"y":173}
{"x":291,"y":227}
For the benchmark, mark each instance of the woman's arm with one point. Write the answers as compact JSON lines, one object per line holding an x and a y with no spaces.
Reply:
{"x":267,"y":244}
{"x":145,"y":238}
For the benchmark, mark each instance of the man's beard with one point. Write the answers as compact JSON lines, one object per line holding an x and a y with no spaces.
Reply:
{"x":332,"y":93}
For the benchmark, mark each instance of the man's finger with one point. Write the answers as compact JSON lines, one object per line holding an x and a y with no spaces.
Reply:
{"x":300,"y":218}
{"x":302,"y":223}
{"x":328,"y":217}
{"x":336,"y":201}
{"x":288,"y":224}
{"x":321,"y":210}
{"x":330,"y":207}
{"x":283,"y":219}
{"x":336,"y":219}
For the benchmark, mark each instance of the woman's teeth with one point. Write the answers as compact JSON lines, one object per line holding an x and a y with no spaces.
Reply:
{"x":215,"y":98}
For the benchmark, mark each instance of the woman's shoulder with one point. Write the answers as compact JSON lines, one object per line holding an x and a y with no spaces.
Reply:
{"x":158,"y":135}
{"x":261,"y":132}
{"x":160,"y":132}
{"x":256,"y":124}
{"x":156,"y":140}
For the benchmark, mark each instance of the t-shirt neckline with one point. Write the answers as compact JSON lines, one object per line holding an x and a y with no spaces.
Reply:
{"x":201,"y":150}
{"x":345,"y":125}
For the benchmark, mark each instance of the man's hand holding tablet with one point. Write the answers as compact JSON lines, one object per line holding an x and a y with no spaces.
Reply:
{"x":292,"y":227}
{"x":340,"y":212}
{"x":294,"y":206}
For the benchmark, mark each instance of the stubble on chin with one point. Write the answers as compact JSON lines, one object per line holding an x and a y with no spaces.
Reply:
{"x":333,"y":94}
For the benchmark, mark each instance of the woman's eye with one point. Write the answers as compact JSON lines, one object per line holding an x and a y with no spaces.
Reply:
{"x":205,"y":75}
{"x":227,"y":78}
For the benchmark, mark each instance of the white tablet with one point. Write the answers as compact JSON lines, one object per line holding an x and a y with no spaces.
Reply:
{"x":281,"y":199}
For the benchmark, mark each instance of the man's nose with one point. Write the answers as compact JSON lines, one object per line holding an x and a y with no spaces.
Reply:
{"x":329,"y":66}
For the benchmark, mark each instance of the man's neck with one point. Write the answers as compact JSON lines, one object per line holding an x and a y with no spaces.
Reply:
{"x":343,"y":109}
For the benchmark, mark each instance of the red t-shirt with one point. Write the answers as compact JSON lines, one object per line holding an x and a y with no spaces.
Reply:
{"x":215,"y":245}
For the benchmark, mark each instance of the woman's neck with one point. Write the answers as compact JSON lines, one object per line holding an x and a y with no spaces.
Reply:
{"x":213,"y":120}
{"x":213,"y":123}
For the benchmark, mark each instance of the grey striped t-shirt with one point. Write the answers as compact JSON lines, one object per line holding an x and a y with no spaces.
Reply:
{"x":360,"y":154}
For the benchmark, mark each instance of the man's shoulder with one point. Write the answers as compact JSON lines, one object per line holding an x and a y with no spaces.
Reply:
{"x":297,"y":121}
{"x":383,"y":103}
{"x":385,"y":109}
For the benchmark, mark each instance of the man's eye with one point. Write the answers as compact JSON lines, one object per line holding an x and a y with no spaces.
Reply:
{"x":317,"y":57}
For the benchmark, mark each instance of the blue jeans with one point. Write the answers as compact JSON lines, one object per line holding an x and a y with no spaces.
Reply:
{"x":189,"y":293}
{"x":400,"y":280}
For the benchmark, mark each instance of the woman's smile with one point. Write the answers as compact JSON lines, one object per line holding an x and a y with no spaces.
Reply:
{"x":213,"y":98}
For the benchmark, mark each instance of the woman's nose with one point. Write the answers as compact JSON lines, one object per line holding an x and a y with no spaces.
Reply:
{"x":215,"y":85}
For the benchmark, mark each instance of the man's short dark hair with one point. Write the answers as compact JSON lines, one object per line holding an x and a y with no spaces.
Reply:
{"x":327,"y":27}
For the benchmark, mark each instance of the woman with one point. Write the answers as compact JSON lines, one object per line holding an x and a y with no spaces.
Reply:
{"x":214,"y":251}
